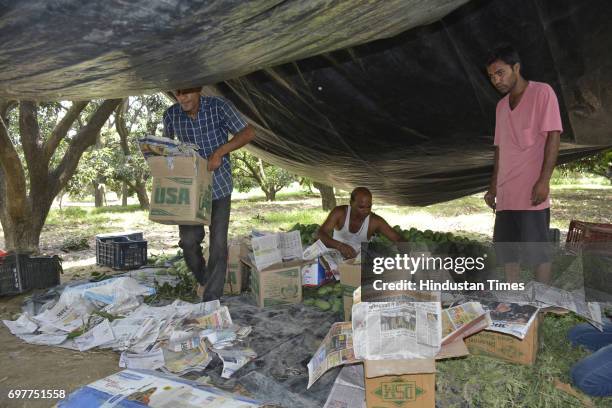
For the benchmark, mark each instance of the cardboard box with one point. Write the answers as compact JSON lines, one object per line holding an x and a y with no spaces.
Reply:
{"x":316,"y":273}
{"x":278,"y":284}
{"x":350,"y":279}
{"x":313,"y":274}
{"x":237,"y":276}
{"x":506,"y":347}
{"x":406,"y":383}
{"x":407,"y":390}
{"x":182,"y":190}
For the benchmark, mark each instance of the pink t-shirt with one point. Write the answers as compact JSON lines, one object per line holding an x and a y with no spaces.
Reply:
{"x":521,"y":135}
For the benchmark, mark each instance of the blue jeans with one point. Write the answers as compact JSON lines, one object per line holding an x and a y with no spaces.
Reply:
{"x":593,"y":374}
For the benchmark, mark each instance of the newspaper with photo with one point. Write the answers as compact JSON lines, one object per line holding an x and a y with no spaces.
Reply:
{"x":396,"y":330}
{"x":461,"y":321}
{"x":335,"y":349}
{"x":510,"y":318}
{"x":142,"y":388}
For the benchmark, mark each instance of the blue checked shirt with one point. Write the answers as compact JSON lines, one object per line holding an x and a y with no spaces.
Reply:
{"x":209,"y":130}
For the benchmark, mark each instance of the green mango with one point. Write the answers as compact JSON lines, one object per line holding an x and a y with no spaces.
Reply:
{"x":322,"y":304}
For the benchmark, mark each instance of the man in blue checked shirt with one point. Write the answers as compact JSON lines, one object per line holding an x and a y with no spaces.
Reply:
{"x":207,"y":122}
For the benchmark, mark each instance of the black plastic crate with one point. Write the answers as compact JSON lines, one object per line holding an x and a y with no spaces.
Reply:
{"x":20,"y":273}
{"x":121,"y":252}
{"x":134,"y":236}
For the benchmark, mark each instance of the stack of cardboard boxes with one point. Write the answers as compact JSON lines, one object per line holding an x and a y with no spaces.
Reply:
{"x":411,"y":383}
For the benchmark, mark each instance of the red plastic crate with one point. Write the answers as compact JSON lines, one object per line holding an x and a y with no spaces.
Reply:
{"x":581,"y":232}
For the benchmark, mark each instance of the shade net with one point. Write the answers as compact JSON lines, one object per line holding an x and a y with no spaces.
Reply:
{"x":391,"y":95}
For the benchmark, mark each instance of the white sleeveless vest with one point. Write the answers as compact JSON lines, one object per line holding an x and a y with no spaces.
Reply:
{"x":349,"y":238}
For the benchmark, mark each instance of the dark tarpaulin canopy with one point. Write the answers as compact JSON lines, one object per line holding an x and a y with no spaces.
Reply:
{"x":387,"y":94}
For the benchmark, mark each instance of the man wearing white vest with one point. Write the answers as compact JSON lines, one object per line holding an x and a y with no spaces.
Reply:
{"x":347,"y":226}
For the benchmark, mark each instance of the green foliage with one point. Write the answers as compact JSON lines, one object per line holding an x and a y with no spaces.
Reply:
{"x":78,"y":221}
{"x":597,"y":164}
{"x":116,"y":209}
{"x":96,"y":165}
{"x":487,"y":382}
{"x":308,"y":233}
{"x":106,"y":163}
{"x":185,"y":289}
{"x":75,"y":243}
{"x":249,"y":172}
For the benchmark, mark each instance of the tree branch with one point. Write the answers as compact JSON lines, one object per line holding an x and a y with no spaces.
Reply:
{"x":253,"y":170}
{"x":61,"y":129}
{"x":5,"y":107}
{"x":121,"y":127}
{"x":29,"y":132}
{"x":85,"y":137}
{"x":14,"y":186}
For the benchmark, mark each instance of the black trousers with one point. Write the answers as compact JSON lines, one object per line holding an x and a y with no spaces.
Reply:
{"x":191,"y":237}
{"x":522,"y":236}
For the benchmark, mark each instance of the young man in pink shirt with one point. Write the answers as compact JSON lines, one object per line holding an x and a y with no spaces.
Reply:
{"x":527,"y":136}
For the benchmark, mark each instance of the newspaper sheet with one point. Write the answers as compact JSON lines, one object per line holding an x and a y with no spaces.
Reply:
{"x":510,"y":318}
{"x":133,"y":333}
{"x":314,"y":251}
{"x":219,"y":319}
{"x":290,"y":244}
{"x":110,"y":291}
{"x":44,"y":339}
{"x":461,"y":321}
{"x":63,"y":317}
{"x":266,"y":251}
{"x":396,"y":330}
{"x":163,"y":146}
{"x":575,"y":301}
{"x":348,"y":390}
{"x":142,"y":388}
{"x":150,"y":360}
{"x":336,"y":349}
{"x":23,"y":325}
{"x":220,"y":338}
{"x":186,"y":361}
{"x":100,"y":334}
{"x":234,"y":359}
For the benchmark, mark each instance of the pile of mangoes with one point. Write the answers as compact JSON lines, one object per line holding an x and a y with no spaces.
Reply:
{"x":326,"y":297}
{"x":436,"y":241}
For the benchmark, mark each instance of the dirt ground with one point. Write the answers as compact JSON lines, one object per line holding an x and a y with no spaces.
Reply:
{"x":26,"y":366}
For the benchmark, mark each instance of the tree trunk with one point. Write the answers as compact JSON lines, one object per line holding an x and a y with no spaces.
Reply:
{"x":270,"y":194}
{"x":141,"y":192}
{"x":23,"y":235}
{"x":124,"y":194}
{"x":23,"y":207}
{"x":98,"y":195}
{"x":328,"y":198}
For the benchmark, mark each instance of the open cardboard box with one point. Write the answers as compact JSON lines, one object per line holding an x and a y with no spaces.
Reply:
{"x":237,"y":275}
{"x":278,"y":284}
{"x":507,"y":347}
